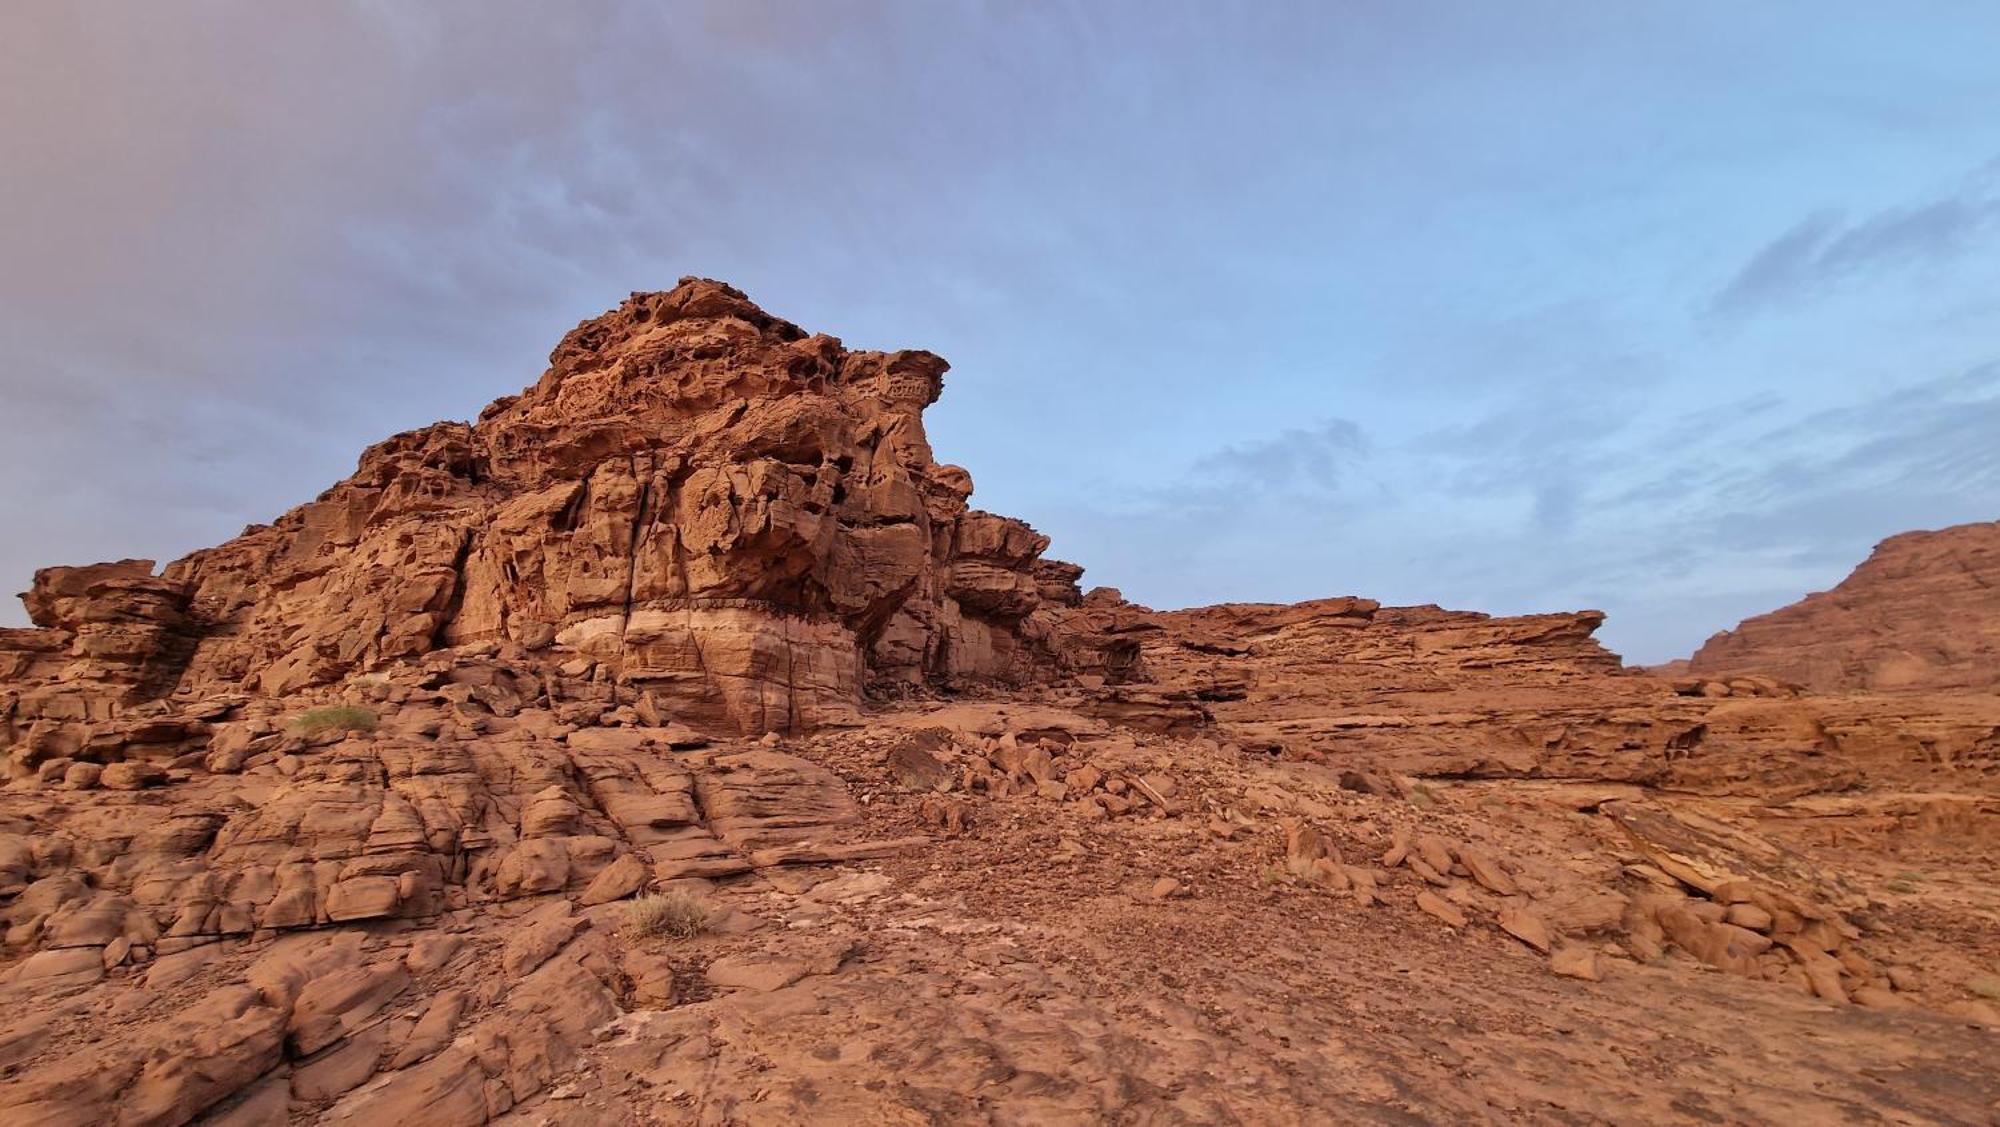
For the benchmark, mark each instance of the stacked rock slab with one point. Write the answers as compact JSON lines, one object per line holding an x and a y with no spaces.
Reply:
{"x":1432,"y":693}
{"x":742,"y":519}
{"x":1922,"y":613}
{"x":337,"y":822}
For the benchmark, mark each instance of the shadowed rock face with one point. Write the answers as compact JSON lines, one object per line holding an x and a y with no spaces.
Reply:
{"x":741,"y":518}
{"x":1922,"y":613}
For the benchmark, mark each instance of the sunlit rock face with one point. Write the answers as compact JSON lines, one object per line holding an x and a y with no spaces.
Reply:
{"x":687,"y":676}
{"x":738,"y":517}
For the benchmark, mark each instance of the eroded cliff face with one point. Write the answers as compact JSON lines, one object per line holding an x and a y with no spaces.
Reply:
{"x":741,"y":519}
{"x":357,"y":818}
{"x":1922,"y":613}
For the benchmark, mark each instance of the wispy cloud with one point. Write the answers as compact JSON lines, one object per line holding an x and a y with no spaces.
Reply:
{"x":1310,"y":458}
{"x":1677,"y":521}
{"x":1825,"y":249}
{"x":1356,"y":340}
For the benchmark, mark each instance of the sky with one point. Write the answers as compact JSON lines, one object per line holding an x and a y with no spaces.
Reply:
{"x":1667,"y":309}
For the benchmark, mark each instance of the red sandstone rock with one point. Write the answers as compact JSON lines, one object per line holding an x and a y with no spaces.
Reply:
{"x":737,"y":519}
{"x":337,"y":822}
{"x":1921,"y":614}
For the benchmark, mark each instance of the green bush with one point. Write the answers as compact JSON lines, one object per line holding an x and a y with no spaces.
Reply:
{"x":341,"y":718}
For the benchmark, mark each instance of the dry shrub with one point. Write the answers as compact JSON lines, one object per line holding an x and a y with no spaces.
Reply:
{"x":668,"y":915}
{"x":340,"y":718}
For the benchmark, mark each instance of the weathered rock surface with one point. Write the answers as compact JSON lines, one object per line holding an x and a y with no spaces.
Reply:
{"x":1921,"y":614}
{"x":674,"y":745}
{"x":738,"y":518}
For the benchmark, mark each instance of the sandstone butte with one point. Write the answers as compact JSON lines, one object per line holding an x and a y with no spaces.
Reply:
{"x":675,"y":745}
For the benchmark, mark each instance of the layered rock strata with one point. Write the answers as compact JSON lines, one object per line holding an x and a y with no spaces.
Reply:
{"x":737,"y":517}
{"x":360,"y":817}
{"x":1922,"y":613}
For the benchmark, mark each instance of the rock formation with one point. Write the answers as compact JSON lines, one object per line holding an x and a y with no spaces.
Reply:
{"x":675,"y":745}
{"x":739,"y":519}
{"x":1922,"y":613}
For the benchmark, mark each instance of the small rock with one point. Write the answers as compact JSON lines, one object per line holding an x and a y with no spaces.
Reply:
{"x":1423,"y":869}
{"x":647,"y":709}
{"x":1733,"y":892}
{"x":1707,"y":911}
{"x":433,"y":1031}
{"x":1399,"y":849}
{"x":1982,"y":1014}
{"x":1330,"y":873}
{"x":1364,"y":782}
{"x":342,"y":1068}
{"x":1879,"y":998}
{"x":1305,"y":848}
{"x":1362,"y":883}
{"x":1164,"y":889}
{"x":431,"y":952}
{"x":1750,"y":916}
{"x":917,"y":769}
{"x":1144,"y":785}
{"x":621,"y":878}
{"x":1487,"y":872}
{"x":132,"y":775}
{"x":1431,"y":903}
{"x":71,"y":964}
{"x":759,"y":975}
{"x":339,"y":1002}
{"x":1434,"y":851}
{"x":362,"y":898}
{"x":1526,"y":927}
{"x":1575,"y":961}
{"x":944,"y":814}
{"x":545,"y":933}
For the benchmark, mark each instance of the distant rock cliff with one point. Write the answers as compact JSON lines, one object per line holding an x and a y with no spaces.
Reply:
{"x":1922,"y":613}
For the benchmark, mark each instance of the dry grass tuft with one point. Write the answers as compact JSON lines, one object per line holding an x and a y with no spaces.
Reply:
{"x":340,"y":718}
{"x":668,"y":915}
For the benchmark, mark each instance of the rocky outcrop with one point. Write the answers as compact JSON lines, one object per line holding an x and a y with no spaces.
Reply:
{"x":1415,"y":690}
{"x":739,"y":518}
{"x":463,"y":793}
{"x":1922,"y":613}
{"x":1388,"y":692}
{"x":674,"y":743}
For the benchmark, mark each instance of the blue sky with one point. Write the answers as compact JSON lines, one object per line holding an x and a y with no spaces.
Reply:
{"x":1667,"y":309}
